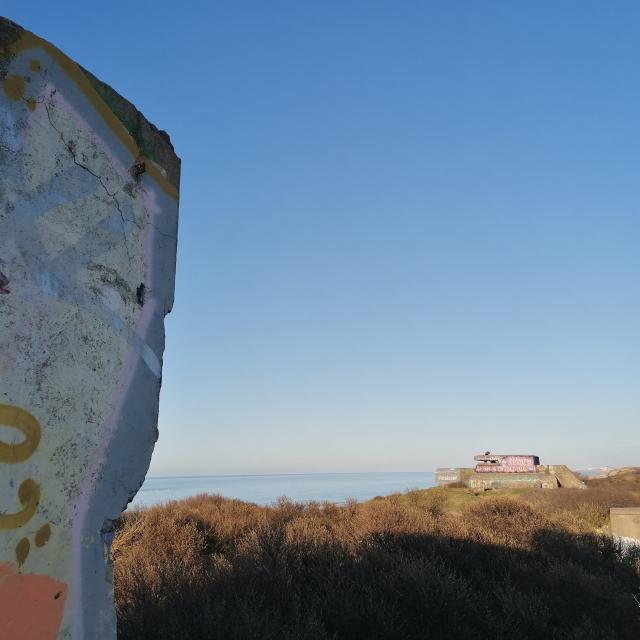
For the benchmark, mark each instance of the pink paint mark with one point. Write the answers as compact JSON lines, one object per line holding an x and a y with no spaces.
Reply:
{"x":31,"y":605}
{"x":81,"y":507}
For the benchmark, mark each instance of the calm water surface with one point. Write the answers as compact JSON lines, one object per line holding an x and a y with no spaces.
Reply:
{"x":266,"y":489}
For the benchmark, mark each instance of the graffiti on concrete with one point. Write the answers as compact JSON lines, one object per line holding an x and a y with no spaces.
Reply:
{"x":88,"y":232}
{"x":29,"y":490}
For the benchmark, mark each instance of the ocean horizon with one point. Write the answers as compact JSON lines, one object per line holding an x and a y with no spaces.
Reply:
{"x":265,"y":489}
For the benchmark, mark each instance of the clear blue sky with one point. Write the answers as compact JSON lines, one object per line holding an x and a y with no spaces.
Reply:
{"x":410,"y":231}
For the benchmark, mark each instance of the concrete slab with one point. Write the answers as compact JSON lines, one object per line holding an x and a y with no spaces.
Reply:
{"x":88,"y":232}
{"x":512,"y":481}
{"x":625,"y":522}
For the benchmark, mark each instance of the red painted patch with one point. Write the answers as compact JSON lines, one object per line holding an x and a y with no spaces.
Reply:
{"x":31,"y":605}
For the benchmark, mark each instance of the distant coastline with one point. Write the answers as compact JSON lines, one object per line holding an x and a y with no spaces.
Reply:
{"x":266,"y":489}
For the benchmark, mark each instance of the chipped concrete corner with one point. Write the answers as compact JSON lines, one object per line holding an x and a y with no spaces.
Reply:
{"x":88,"y":232}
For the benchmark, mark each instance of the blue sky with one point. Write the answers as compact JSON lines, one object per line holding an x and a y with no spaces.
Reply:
{"x":409,"y":231}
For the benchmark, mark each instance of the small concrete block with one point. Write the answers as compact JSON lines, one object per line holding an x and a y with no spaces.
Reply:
{"x":625,"y":522}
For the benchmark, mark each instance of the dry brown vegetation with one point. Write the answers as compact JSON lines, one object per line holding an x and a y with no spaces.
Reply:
{"x":440,"y":563}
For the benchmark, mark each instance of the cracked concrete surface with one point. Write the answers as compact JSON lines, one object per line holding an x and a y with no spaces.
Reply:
{"x":70,"y":145}
{"x":88,"y":231}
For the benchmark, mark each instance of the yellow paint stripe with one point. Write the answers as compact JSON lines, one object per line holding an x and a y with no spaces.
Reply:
{"x":29,"y":40}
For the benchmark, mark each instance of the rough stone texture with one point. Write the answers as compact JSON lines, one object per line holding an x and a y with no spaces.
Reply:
{"x":625,"y":522}
{"x":88,"y":228}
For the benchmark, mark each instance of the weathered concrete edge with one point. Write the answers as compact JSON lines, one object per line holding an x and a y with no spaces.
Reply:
{"x":153,"y":143}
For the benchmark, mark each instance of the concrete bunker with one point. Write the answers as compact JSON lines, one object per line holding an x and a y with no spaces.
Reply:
{"x":510,"y":471}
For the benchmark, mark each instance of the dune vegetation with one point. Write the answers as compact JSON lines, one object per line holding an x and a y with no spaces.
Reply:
{"x":428,"y":564}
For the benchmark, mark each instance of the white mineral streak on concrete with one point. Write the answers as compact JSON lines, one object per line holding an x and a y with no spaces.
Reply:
{"x":81,"y":341}
{"x":151,"y":360}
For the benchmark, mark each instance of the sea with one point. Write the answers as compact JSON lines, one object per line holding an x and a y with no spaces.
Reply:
{"x":266,"y":489}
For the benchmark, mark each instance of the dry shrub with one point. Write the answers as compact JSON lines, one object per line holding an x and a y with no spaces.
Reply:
{"x":585,"y":510}
{"x":394,"y":568}
{"x":505,"y":521}
{"x":434,"y":501}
